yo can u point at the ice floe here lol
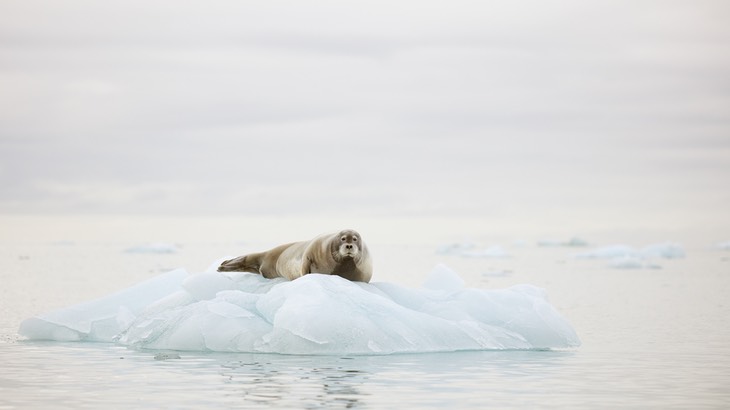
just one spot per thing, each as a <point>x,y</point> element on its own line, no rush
<point>632,262</point>
<point>627,257</point>
<point>315,314</point>
<point>572,242</point>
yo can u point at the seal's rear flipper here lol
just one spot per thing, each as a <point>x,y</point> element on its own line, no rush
<point>247,263</point>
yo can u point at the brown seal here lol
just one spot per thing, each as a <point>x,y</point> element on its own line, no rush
<point>343,254</point>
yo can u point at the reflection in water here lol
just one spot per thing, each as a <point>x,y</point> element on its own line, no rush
<point>82,375</point>
<point>347,382</point>
<point>304,381</point>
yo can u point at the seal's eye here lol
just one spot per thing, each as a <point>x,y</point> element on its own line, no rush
<point>354,238</point>
<point>343,239</point>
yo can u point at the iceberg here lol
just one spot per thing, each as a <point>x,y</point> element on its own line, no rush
<point>315,314</point>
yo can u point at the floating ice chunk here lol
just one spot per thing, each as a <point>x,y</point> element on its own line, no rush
<point>491,252</point>
<point>631,262</point>
<point>572,242</point>
<point>626,257</point>
<point>157,247</point>
<point>608,252</point>
<point>626,262</point>
<point>659,250</point>
<point>663,250</point>
<point>576,242</point>
<point>315,314</point>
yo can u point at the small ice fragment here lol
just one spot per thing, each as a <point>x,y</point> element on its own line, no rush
<point>659,250</point>
<point>609,252</point>
<point>663,250</point>
<point>572,242</point>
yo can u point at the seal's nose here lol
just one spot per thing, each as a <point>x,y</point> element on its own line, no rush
<point>348,246</point>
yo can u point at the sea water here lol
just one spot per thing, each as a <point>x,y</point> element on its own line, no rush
<point>654,334</point>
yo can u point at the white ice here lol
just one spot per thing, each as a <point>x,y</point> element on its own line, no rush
<point>315,314</point>
<point>572,242</point>
<point>627,257</point>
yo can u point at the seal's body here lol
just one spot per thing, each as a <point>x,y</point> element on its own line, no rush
<point>343,254</point>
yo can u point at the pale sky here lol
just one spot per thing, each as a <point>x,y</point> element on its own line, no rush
<point>517,109</point>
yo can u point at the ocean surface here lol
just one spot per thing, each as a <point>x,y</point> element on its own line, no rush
<point>654,325</point>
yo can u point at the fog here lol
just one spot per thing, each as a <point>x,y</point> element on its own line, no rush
<point>575,112</point>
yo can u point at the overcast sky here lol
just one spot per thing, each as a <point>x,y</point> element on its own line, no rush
<point>517,109</point>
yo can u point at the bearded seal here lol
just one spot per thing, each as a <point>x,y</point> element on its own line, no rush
<point>343,253</point>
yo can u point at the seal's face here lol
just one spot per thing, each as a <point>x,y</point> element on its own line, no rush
<point>347,244</point>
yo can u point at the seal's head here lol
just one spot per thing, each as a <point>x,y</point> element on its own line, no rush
<point>346,244</point>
